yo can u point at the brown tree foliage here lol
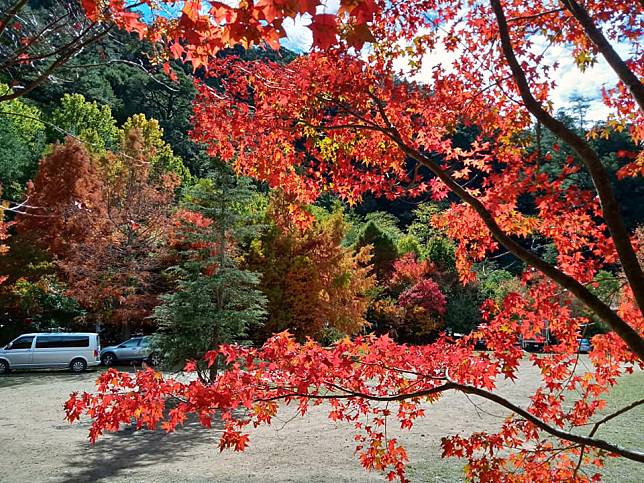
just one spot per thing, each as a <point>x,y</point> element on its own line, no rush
<point>105,220</point>
<point>65,203</point>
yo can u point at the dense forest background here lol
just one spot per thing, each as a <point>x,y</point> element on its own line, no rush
<point>124,224</point>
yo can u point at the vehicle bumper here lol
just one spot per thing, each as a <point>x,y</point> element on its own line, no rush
<point>93,363</point>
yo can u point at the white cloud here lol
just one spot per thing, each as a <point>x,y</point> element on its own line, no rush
<point>298,36</point>
<point>568,78</point>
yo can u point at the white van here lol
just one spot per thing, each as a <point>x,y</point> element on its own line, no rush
<point>65,350</point>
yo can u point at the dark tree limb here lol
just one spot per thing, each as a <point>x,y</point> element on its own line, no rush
<point>625,74</point>
<point>610,207</point>
<point>588,441</point>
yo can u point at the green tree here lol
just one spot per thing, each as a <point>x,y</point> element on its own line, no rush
<point>91,123</point>
<point>463,313</point>
<point>206,311</point>
<point>22,140</point>
<point>384,249</point>
<point>215,302</point>
<point>421,227</point>
<point>495,283</point>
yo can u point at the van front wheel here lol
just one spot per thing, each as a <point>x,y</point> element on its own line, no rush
<point>4,367</point>
<point>77,366</point>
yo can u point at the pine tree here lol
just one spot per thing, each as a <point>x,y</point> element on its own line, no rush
<point>215,301</point>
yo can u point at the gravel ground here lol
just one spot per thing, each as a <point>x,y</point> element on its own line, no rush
<point>38,445</point>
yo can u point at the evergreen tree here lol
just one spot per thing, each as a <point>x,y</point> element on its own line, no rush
<point>384,249</point>
<point>215,301</point>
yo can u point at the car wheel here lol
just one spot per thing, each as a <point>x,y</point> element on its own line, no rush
<point>77,366</point>
<point>154,360</point>
<point>108,359</point>
<point>4,367</point>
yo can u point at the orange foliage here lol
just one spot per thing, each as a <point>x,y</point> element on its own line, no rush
<point>344,121</point>
<point>312,283</point>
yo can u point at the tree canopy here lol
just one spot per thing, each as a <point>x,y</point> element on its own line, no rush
<point>349,120</point>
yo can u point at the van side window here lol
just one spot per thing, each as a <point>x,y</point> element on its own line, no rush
<point>22,342</point>
<point>61,341</point>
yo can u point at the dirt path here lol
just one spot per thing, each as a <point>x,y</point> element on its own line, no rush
<point>37,445</point>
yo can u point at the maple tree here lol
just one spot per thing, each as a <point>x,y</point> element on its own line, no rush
<point>336,120</point>
<point>196,30</point>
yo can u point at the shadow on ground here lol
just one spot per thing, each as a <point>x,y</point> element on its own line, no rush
<point>114,455</point>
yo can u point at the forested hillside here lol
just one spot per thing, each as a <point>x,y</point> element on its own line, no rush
<point>403,209</point>
<point>98,170</point>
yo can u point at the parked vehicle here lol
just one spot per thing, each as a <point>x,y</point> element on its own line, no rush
<point>533,345</point>
<point>136,349</point>
<point>74,351</point>
<point>584,346</point>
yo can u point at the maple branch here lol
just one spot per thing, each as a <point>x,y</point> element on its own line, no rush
<point>625,74</point>
<point>614,415</point>
<point>15,58</point>
<point>536,15</point>
<point>629,335</point>
<point>339,126</point>
<point>610,207</point>
<point>602,421</point>
<point>632,338</point>
<point>11,13</point>
<point>466,389</point>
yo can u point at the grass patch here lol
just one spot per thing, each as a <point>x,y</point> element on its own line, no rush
<point>626,430</point>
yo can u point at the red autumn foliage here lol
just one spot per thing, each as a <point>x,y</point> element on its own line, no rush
<point>426,294</point>
<point>105,222</point>
<point>199,30</point>
<point>4,234</point>
<point>66,203</point>
<point>409,271</point>
<point>344,121</point>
